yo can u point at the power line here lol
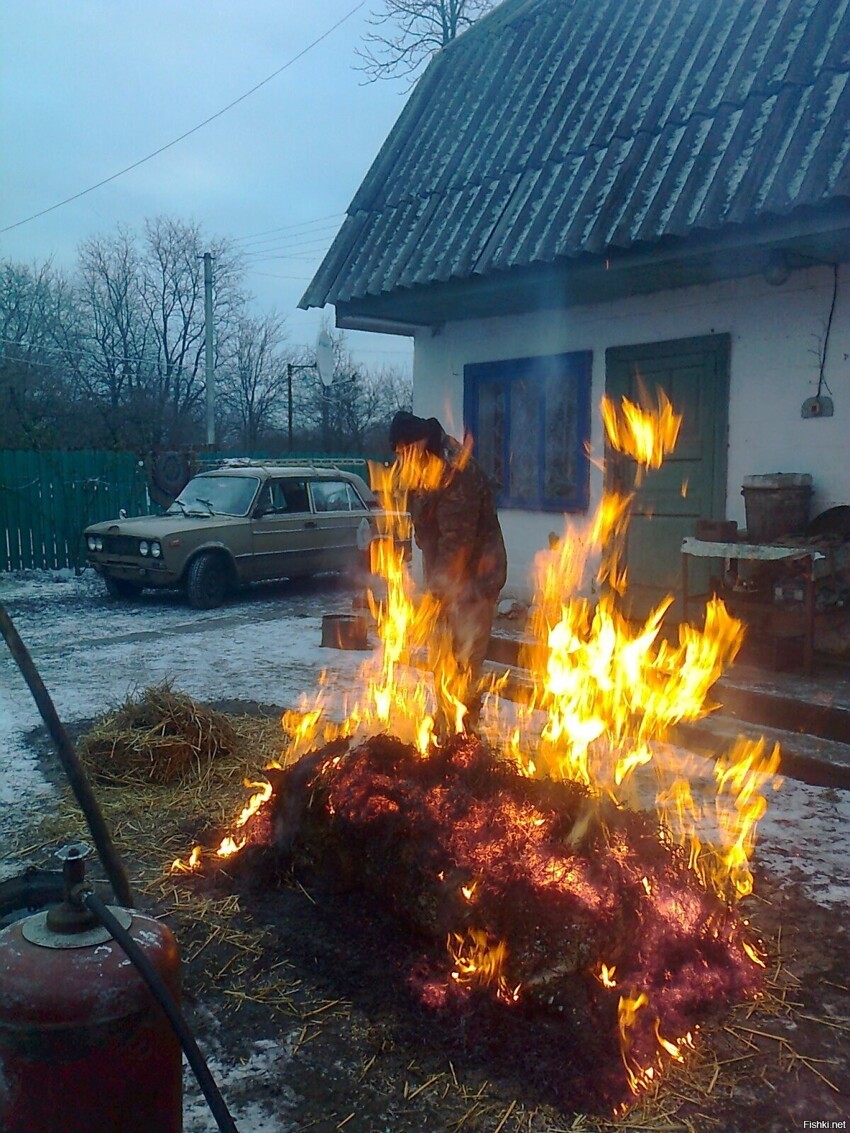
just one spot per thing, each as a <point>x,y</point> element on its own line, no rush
<point>188,133</point>
<point>146,360</point>
<point>312,240</point>
<point>251,236</point>
<point>296,252</point>
<point>270,275</point>
<point>278,244</point>
<point>272,245</point>
<point>306,255</point>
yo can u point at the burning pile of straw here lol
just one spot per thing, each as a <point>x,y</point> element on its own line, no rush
<point>539,890</point>
<point>533,873</point>
<point>527,894</point>
<point>160,736</point>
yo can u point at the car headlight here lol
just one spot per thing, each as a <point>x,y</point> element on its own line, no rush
<point>156,550</point>
<point>144,547</point>
<point>94,543</point>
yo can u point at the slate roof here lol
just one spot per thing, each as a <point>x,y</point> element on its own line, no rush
<point>554,129</point>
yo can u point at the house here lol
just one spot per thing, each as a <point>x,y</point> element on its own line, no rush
<point>580,194</point>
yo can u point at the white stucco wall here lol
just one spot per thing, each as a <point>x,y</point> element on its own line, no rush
<point>776,334</point>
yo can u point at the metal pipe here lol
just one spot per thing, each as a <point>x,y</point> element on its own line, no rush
<point>80,785</point>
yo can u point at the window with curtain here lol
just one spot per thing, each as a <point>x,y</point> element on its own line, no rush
<point>530,418</point>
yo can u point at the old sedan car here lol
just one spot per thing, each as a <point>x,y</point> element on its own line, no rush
<point>241,523</point>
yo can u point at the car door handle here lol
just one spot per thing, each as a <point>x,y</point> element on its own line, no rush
<point>311,523</point>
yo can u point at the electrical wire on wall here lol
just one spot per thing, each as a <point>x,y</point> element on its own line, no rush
<point>820,405</point>
<point>822,384</point>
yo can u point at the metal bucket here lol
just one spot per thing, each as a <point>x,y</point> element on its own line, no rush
<point>345,631</point>
<point>776,504</point>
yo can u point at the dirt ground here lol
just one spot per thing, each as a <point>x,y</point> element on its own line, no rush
<point>368,1049</point>
<point>299,996</point>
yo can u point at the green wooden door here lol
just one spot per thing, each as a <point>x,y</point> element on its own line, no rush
<point>691,484</point>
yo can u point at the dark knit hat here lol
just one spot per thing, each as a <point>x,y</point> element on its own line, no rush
<point>406,429</point>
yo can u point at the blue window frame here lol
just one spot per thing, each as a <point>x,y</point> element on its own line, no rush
<point>530,418</point>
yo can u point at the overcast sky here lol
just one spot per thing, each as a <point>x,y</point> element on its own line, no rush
<point>89,87</point>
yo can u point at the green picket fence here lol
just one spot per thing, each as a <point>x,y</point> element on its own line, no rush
<point>48,498</point>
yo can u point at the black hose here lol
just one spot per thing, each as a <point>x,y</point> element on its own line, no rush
<point>166,1000</point>
<point>107,853</point>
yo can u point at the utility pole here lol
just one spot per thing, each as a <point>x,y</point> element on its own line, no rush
<point>289,403</point>
<point>326,423</point>
<point>208,348</point>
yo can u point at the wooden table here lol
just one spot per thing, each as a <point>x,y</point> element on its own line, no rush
<point>758,552</point>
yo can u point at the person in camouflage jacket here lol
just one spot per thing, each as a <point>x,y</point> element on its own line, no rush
<point>456,527</point>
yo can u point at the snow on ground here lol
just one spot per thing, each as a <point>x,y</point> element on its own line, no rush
<point>265,646</point>
<point>803,837</point>
<point>92,653</point>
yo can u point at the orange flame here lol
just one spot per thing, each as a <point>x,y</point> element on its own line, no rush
<point>606,975</point>
<point>641,1077</point>
<point>478,959</point>
<point>601,696</point>
<point>645,432</point>
<point>603,692</point>
<point>627,1010</point>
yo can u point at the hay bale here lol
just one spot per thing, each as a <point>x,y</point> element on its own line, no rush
<point>160,736</point>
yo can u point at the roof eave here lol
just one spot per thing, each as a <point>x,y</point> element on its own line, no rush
<point>806,238</point>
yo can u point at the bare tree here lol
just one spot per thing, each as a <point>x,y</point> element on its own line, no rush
<point>141,310</point>
<point>111,373</point>
<point>253,380</point>
<point>34,397</point>
<point>172,289</point>
<point>410,31</point>
<point>114,357</point>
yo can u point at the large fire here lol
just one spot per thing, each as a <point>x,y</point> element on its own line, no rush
<point>594,714</point>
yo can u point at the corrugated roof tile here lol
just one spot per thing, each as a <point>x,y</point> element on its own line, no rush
<point>560,128</point>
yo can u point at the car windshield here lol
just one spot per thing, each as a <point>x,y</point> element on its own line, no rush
<point>216,495</point>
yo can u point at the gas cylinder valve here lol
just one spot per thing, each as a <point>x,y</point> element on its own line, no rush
<point>71,915</point>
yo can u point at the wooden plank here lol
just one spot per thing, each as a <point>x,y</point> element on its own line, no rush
<point>6,480</point>
<point>42,516</point>
<point>68,486</point>
<point>14,489</point>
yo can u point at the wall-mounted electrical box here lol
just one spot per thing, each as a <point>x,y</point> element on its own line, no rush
<point>817,407</point>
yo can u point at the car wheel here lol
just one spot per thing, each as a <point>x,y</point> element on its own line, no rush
<point>206,582</point>
<point>121,588</point>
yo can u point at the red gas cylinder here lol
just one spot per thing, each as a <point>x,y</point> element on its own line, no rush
<point>84,1045</point>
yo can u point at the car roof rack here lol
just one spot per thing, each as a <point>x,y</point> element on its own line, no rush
<point>319,464</point>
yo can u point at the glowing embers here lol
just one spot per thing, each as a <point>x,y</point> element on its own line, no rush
<point>545,897</point>
<point>235,841</point>
<point>480,960</point>
<point>602,692</point>
<point>533,895</point>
